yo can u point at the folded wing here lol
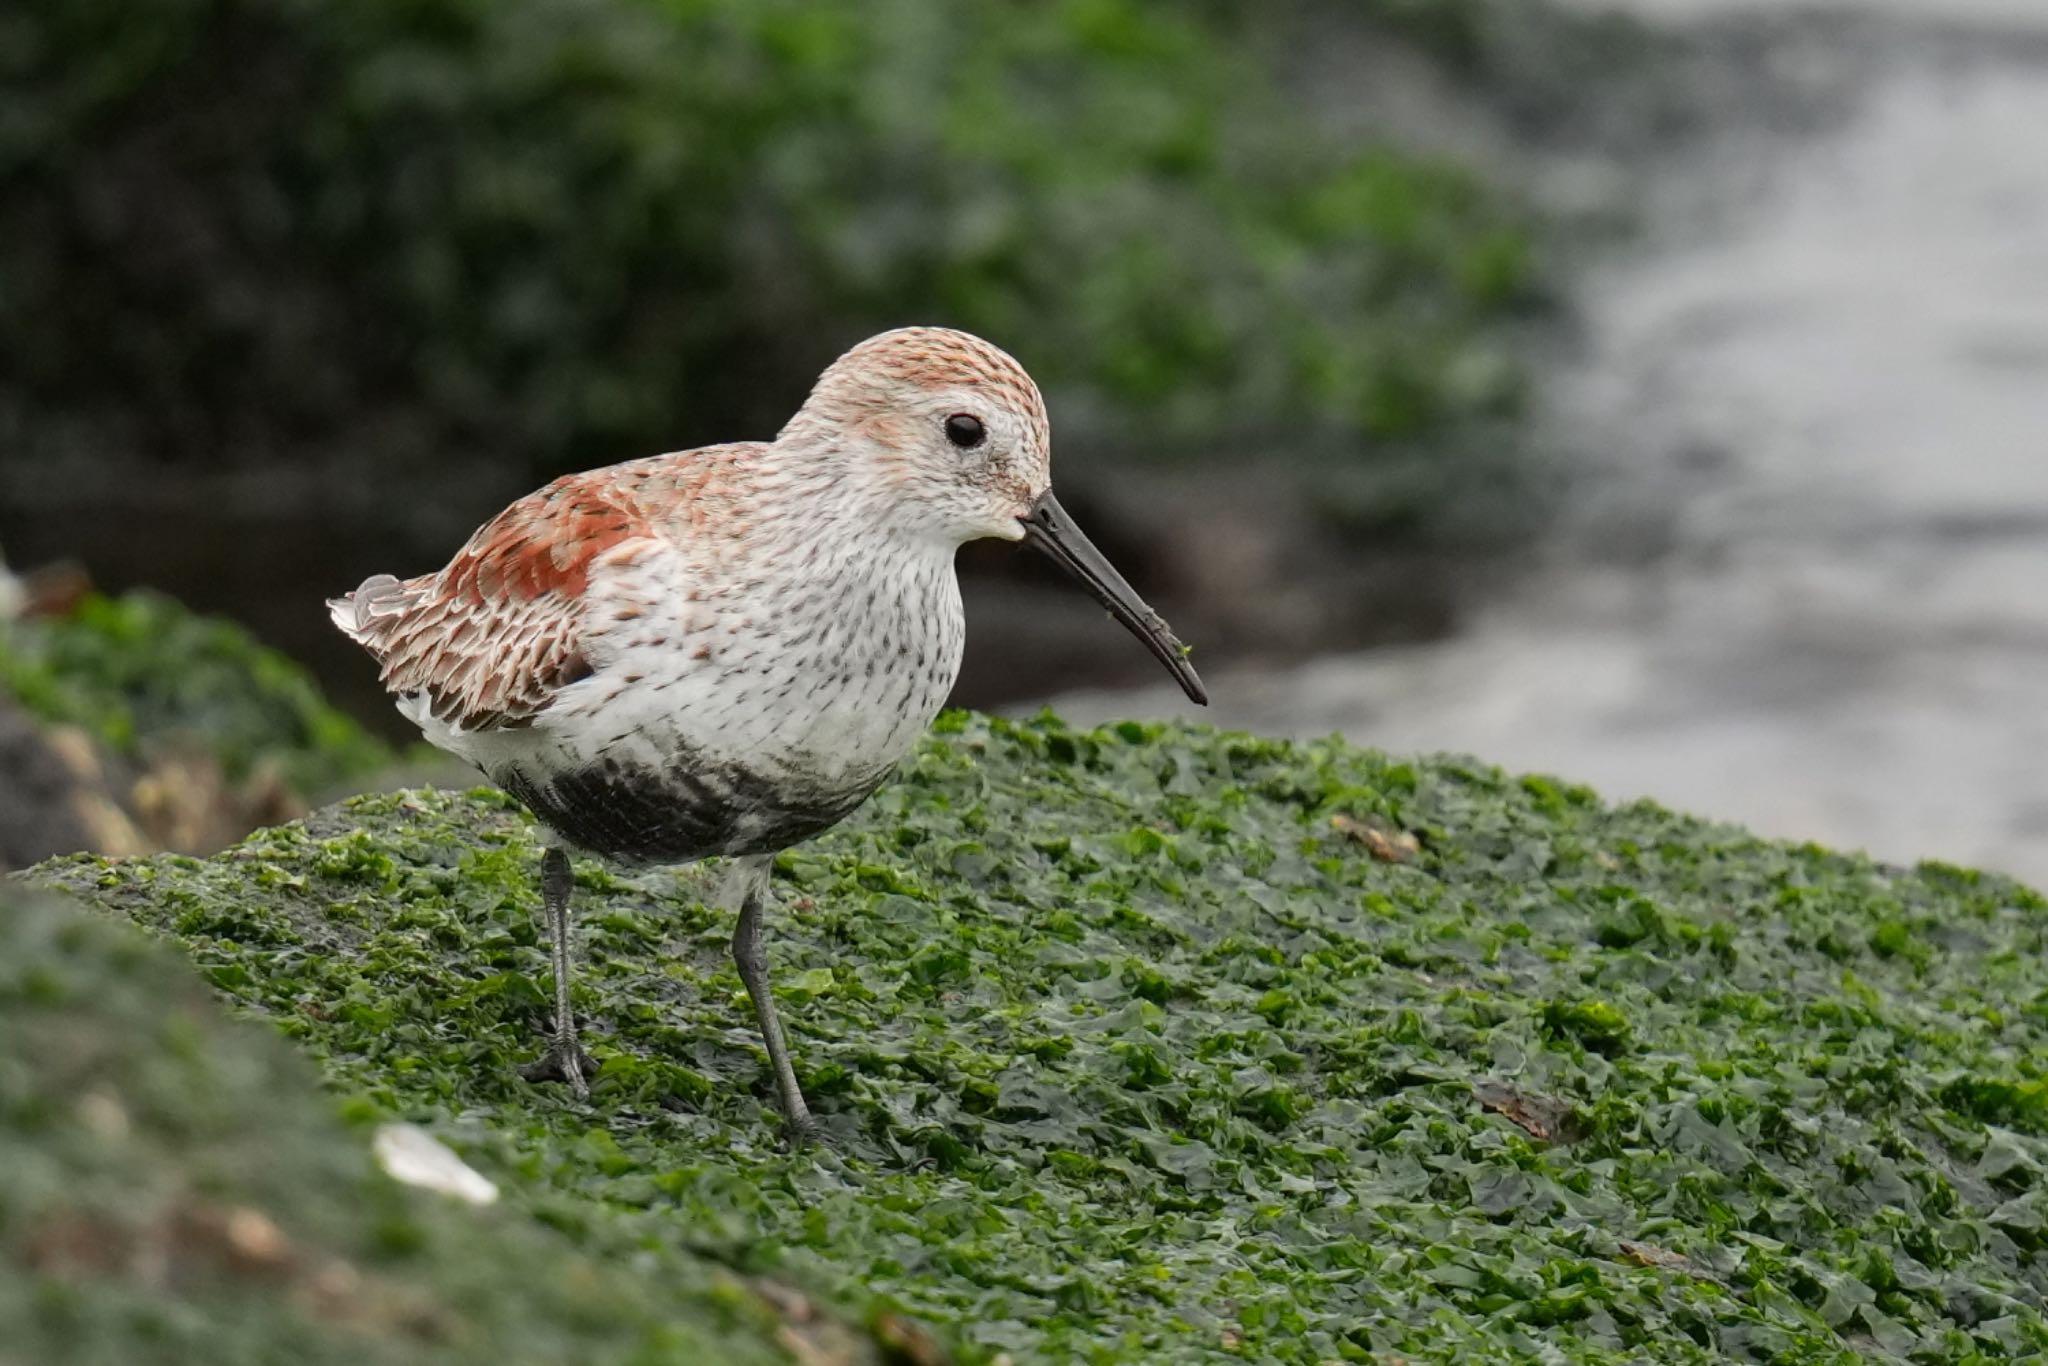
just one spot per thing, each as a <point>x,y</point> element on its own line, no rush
<point>488,642</point>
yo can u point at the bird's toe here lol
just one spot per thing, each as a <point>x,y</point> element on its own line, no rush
<point>569,1065</point>
<point>804,1131</point>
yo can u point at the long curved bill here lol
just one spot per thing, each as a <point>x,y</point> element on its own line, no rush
<point>1048,527</point>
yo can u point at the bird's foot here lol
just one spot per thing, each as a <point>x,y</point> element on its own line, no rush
<point>565,1061</point>
<point>803,1131</point>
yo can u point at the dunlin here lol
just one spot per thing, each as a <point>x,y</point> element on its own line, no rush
<point>725,651</point>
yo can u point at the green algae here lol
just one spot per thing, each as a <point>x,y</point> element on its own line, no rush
<point>174,1187</point>
<point>1131,1052</point>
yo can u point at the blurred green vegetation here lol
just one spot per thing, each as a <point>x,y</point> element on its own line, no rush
<point>560,232</point>
<point>141,671</point>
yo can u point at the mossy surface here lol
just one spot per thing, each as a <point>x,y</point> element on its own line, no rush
<point>176,1187</point>
<point>1158,1045</point>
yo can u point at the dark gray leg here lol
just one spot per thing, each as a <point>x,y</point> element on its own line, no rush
<point>565,1059</point>
<point>748,888</point>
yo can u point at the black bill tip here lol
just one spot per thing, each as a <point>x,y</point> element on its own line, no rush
<point>1048,527</point>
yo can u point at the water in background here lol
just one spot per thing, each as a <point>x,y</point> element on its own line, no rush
<point>1808,585</point>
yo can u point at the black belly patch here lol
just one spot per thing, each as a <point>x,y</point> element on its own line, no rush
<point>638,814</point>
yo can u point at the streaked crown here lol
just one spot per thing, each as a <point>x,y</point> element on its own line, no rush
<point>952,427</point>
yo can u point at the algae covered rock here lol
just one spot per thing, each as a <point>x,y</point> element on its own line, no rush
<point>133,723</point>
<point>141,670</point>
<point>174,1187</point>
<point>1152,1045</point>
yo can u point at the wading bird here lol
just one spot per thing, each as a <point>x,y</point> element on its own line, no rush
<point>724,651</point>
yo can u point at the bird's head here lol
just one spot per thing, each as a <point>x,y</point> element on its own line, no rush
<point>951,436</point>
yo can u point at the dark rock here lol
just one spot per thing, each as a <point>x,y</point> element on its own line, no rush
<point>54,795</point>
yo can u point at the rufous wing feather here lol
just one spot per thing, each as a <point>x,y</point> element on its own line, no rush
<point>491,639</point>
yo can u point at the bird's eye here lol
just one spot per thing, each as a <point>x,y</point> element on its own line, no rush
<point>965,430</point>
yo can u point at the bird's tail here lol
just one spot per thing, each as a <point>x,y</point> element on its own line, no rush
<point>380,598</point>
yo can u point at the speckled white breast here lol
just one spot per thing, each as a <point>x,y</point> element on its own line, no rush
<point>783,701</point>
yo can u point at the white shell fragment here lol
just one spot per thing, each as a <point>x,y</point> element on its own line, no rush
<point>410,1154</point>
